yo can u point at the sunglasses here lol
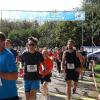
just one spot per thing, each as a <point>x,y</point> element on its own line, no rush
<point>31,44</point>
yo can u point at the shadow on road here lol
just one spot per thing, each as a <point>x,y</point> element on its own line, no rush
<point>55,98</point>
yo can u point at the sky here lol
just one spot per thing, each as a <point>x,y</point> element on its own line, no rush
<point>37,5</point>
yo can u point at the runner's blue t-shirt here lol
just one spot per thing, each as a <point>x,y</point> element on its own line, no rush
<point>7,64</point>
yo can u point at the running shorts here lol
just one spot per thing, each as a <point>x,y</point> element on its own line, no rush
<point>31,85</point>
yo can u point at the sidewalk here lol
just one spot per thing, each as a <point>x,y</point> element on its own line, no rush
<point>57,88</point>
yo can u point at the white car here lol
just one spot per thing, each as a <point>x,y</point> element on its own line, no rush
<point>94,55</point>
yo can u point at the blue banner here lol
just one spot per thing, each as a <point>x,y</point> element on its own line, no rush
<point>45,15</point>
<point>55,16</point>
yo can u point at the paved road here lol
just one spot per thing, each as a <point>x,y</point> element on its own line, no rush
<point>57,88</point>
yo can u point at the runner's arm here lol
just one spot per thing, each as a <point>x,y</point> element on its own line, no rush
<point>81,62</point>
<point>80,57</point>
<point>44,66</point>
<point>9,76</point>
<point>63,61</point>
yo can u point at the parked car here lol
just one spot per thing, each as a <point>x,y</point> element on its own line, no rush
<point>94,56</point>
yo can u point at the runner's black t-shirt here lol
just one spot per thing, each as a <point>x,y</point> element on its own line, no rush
<point>31,64</point>
<point>72,58</point>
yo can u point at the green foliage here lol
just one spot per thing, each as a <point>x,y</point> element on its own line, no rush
<point>50,34</point>
<point>92,23</point>
<point>97,71</point>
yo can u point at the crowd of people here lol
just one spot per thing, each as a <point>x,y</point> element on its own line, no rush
<point>37,67</point>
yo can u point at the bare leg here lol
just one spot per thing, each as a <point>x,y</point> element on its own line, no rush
<point>82,72</point>
<point>75,86</point>
<point>27,95</point>
<point>69,89</point>
<point>45,88</point>
<point>33,95</point>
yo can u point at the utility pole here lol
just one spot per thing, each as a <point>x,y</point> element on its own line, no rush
<point>82,35</point>
<point>92,27</point>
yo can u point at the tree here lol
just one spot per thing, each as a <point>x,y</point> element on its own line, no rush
<point>91,25</point>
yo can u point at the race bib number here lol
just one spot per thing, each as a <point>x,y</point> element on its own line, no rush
<point>31,68</point>
<point>70,66</point>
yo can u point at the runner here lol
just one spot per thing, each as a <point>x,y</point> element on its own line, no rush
<point>31,60</point>
<point>8,45</point>
<point>71,60</point>
<point>45,77</point>
<point>8,73</point>
<point>58,60</point>
<point>84,64</point>
<point>50,53</point>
